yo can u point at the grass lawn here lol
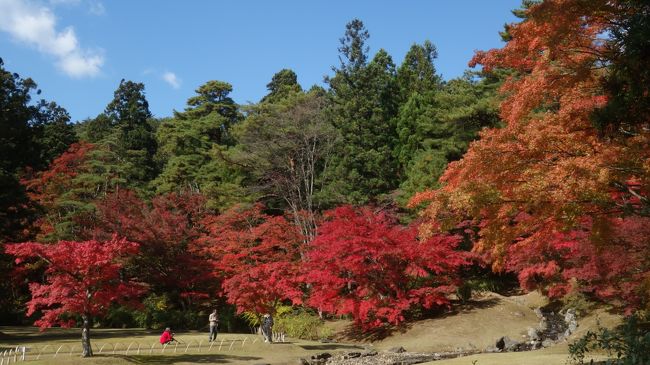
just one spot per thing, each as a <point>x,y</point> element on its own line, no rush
<point>120,346</point>
<point>469,327</point>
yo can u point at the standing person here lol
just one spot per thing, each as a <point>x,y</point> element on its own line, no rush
<point>267,328</point>
<point>214,324</point>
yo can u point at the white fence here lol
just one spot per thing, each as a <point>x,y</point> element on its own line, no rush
<point>27,353</point>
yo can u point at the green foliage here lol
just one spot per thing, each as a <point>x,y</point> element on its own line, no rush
<point>133,134</point>
<point>283,84</point>
<point>364,104</point>
<point>300,323</point>
<point>194,145</point>
<point>158,313</point>
<point>436,128</point>
<point>629,344</point>
<point>285,145</point>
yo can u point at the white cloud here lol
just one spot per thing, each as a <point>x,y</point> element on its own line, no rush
<point>35,26</point>
<point>96,7</point>
<point>172,79</point>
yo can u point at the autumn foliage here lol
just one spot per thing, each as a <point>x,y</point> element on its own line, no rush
<point>554,197</point>
<point>81,278</point>
<point>258,257</point>
<point>366,265</point>
<point>166,228</point>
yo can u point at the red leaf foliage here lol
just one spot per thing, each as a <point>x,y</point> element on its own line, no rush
<point>165,229</point>
<point>366,265</point>
<point>609,259</point>
<point>257,255</point>
<point>82,278</point>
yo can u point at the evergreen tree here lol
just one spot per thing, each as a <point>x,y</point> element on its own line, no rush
<point>134,135</point>
<point>193,146</point>
<point>364,104</point>
<point>283,83</point>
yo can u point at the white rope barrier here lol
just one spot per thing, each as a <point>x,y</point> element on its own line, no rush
<point>18,354</point>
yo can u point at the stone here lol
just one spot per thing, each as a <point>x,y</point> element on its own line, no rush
<point>547,343</point>
<point>324,355</point>
<point>369,352</point>
<point>303,361</point>
<point>501,344</point>
<point>538,313</point>
<point>573,326</point>
<point>533,334</point>
<point>492,349</point>
<point>397,350</point>
<point>351,355</point>
<point>507,344</point>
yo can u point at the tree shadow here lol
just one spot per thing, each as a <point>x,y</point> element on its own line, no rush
<point>185,358</point>
<point>330,346</point>
<point>32,334</point>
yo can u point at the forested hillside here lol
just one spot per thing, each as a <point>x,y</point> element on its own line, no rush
<point>383,196</point>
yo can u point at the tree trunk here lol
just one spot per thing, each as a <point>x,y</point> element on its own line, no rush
<point>85,337</point>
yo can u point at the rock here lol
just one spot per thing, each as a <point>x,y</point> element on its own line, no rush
<point>492,349</point>
<point>351,355</point>
<point>533,334</point>
<point>369,352</point>
<point>547,343</point>
<point>507,344</point>
<point>538,313</point>
<point>501,344</point>
<point>303,361</point>
<point>397,350</point>
<point>324,355</point>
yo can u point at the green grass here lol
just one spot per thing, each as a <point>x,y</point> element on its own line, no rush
<point>120,346</point>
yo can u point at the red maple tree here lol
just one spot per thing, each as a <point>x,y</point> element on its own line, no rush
<point>257,255</point>
<point>366,265</point>
<point>166,228</point>
<point>81,279</point>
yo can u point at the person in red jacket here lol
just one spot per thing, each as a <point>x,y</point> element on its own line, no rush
<point>167,336</point>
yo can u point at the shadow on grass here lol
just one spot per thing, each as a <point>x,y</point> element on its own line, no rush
<point>26,335</point>
<point>186,358</point>
<point>331,346</point>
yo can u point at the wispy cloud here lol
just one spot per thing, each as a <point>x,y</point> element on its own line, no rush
<point>172,79</point>
<point>96,7</point>
<point>36,26</point>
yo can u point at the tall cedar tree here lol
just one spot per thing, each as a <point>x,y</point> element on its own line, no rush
<point>133,135</point>
<point>257,256</point>
<point>364,264</point>
<point>549,175</point>
<point>82,279</point>
<point>364,103</point>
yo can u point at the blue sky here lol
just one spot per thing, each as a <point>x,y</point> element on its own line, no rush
<point>78,50</point>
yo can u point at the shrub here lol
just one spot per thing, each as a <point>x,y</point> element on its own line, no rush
<point>628,344</point>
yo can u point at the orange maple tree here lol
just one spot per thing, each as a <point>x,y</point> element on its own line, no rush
<point>549,174</point>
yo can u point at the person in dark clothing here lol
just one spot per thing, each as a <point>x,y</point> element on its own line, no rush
<point>267,328</point>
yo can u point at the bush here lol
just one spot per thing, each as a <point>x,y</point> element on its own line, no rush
<point>628,344</point>
<point>301,323</point>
